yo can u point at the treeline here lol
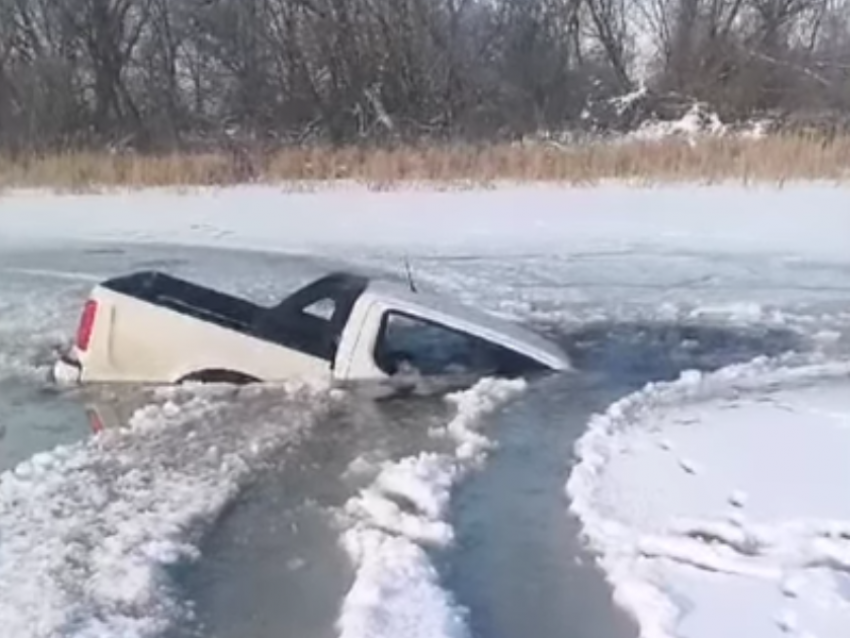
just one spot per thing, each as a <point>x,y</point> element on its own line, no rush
<point>156,74</point>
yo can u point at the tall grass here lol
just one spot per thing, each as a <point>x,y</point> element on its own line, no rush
<point>772,159</point>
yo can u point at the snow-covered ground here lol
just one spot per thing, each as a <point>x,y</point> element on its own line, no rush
<point>802,219</point>
<point>715,501</point>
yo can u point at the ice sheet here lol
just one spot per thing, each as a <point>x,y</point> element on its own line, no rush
<point>718,502</point>
<point>803,218</point>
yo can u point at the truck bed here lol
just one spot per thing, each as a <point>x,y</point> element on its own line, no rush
<point>190,299</point>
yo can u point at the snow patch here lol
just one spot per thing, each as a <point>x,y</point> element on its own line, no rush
<point>696,122</point>
<point>397,591</point>
<point>403,513</point>
<point>696,556</point>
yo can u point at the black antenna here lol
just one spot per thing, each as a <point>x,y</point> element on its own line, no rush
<point>410,281</point>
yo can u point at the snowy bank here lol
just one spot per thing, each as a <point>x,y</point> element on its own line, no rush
<point>717,502</point>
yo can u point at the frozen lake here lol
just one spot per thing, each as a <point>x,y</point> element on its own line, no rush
<point>267,535</point>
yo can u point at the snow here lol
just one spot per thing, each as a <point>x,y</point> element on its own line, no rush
<point>715,501</point>
<point>806,219</point>
<point>698,121</point>
<point>400,516</point>
<point>88,531</point>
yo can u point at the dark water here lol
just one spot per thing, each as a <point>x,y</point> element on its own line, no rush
<point>34,418</point>
<point>272,566</point>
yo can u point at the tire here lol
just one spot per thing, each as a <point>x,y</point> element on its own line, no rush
<point>219,376</point>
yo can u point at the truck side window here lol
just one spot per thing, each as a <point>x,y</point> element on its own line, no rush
<point>321,309</point>
<point>434,349</point>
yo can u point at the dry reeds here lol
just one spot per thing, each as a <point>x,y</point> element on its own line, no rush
<point>771,159</point>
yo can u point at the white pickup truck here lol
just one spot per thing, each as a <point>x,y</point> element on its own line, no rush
<point>150,327</point>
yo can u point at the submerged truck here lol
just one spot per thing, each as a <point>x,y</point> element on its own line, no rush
<point>344,327</point>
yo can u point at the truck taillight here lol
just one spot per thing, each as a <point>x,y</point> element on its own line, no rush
<point>84,330</point>
<point>95,421</point>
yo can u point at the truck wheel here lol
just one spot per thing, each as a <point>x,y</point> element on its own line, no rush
<point>218,376</point>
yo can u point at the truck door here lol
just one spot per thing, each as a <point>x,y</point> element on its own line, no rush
<point>426,346</point>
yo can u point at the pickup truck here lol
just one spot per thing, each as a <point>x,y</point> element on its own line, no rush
<point>151,327</point>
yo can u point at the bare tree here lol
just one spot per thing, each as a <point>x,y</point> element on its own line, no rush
<point>167,73</point>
